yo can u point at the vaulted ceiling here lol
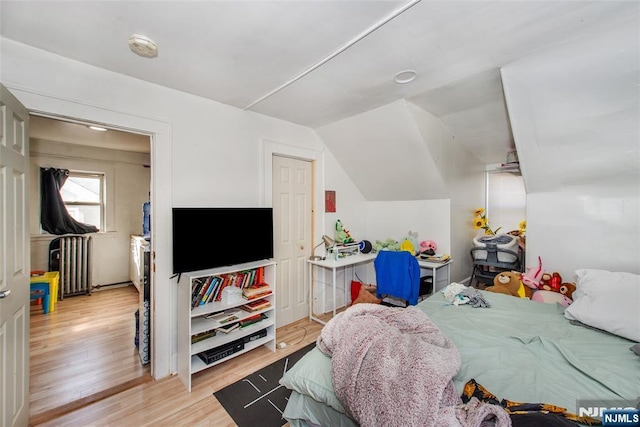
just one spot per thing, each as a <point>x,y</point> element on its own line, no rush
<point>318,62</point>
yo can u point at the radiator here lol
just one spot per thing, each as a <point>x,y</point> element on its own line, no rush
<point>71,256</point>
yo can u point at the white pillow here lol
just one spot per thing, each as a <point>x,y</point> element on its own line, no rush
<point>608,301</point>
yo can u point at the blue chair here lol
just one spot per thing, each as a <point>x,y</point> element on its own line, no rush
<point>40,290</point>
<point>398,276</point>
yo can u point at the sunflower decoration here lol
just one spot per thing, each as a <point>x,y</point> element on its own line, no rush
<point>480,221</point>
<point>522,227</point>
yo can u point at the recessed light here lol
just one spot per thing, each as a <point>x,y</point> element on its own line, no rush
<point>143,46</point>
<point>98,128</point>
<point>406,76</point>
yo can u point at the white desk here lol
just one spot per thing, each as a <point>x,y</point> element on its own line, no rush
<point>353,260</point>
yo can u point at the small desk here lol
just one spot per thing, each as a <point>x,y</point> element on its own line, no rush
<point>51,278</point>
<point>357,259</point>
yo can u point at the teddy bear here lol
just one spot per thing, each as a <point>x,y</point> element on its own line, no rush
<point>567,289</point>
<point>550,282</point>
<point>509,283</point>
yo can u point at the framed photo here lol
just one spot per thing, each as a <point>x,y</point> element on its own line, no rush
<point>329,201</point>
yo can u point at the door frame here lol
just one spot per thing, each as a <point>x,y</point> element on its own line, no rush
<point>163,362</point>
<point>316,157</point>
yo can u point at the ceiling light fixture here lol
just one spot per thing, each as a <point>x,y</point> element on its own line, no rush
<point>143,46</point>
<point>406,76</point>
<point>98,128</point>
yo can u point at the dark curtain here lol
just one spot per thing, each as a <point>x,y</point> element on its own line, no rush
<point>54,216</point>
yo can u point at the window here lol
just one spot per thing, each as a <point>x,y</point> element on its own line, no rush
<point>83,195</point>
<point>506,200</point>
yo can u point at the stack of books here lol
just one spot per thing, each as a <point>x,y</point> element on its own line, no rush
<point>259,290</point>
<point>252,319</point>
<point>255,305</point>
<point>441,258</point>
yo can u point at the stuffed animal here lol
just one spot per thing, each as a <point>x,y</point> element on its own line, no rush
<point>567,289</point>
<point>428,247</point>
<point>550,282</point>
<point>342,234</point>
<point>410,243</point>
<point>551,297</point>
<point>386,245</point>
<point>532,277</point>
<point>509,283</point>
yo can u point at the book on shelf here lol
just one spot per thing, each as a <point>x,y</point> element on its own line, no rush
<point>226,316</point>
<point>203,336</point>
<point>202,291</point>
<point>256,305</point>
<point>207,293</point>
<point>195,290</point>
<point>254,290</point>
<point>228,327</point>
<point>252,319</point>
<point>216,285</point>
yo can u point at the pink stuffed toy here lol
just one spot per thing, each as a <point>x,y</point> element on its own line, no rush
<point>428,247</point>
<point>533,276</point>
<point>551,297</point>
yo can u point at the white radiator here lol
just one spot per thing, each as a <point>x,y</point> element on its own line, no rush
<point>74,262</point>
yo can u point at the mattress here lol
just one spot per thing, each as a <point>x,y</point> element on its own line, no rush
<point>518,349</point>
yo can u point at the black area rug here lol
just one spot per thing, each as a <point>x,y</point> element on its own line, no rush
<point>258,399</point>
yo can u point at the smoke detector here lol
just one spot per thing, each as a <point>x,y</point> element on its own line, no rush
<point>143,46</point>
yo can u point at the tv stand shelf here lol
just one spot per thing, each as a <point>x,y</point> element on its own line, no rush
<point>193,321</point>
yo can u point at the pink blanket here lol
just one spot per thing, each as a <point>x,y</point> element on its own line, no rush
<point>393,367</point>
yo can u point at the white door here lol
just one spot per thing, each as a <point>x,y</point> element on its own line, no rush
<point>14,262</point>
<point>292,203</point>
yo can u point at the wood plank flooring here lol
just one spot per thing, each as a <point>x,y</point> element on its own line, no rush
<point>165,402</point>
<point>82,349</point>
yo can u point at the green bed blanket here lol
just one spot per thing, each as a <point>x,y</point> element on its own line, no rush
<point>518,349</point>
<point>527,351</point>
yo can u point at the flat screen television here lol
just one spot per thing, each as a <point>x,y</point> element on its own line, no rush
<point>206,238</point>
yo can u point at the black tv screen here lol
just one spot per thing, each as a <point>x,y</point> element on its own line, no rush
<point>206,238</point>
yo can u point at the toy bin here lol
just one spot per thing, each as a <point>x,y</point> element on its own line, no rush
<point>502,241</point>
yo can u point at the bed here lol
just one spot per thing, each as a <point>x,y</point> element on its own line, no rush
<point>517,349</point>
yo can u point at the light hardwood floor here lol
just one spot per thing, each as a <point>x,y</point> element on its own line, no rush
<point>82,349</point>
<point>109,354</point>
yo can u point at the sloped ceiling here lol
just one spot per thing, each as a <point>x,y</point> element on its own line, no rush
<point>391,159</point>
<point>576,113</point>
<point>318,62</point>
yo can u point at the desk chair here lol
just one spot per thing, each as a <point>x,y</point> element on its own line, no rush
<point>398,276</point>
<point>496,261</point>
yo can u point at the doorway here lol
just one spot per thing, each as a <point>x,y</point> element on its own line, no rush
<point>292,207</point>
<point>310,215</point>
<point>124,159</point>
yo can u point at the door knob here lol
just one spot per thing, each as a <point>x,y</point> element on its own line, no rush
<point>5,293</point>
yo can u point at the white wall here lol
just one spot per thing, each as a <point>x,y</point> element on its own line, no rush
<point>127,183</point>
<point>203,153</point>
<point>463,175</point>
<point>402,150</point>
<point>574,112</point>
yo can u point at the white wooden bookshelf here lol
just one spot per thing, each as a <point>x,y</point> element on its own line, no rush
<point>192,321</point>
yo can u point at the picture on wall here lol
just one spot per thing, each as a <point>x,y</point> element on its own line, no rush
<point>329,201</point>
